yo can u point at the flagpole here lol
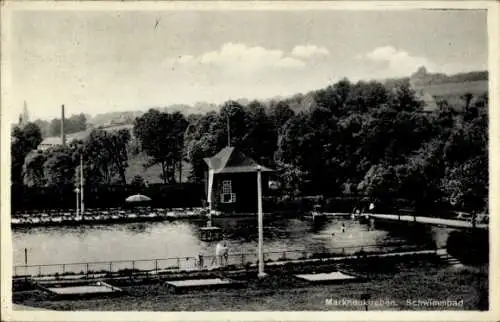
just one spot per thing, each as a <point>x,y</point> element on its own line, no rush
<point>260,222</point>
<point>77,191</point>
<point>81,185</point>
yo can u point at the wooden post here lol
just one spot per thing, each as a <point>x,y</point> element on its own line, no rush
<point>82,205</point>
<point>260,222</point>
<point>25,257</point>
<point>156,266</point>
<point>77,190</point>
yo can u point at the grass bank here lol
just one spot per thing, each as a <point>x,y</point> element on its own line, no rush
<point>389,288</point>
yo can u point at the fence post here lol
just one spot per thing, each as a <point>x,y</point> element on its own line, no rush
<point>39,270</point>
<point>243,259</point>
<point>64,268</point>
<point>156,266</point>
<point>178,263</point>
<point>87,269</point>
<point>110,267</point>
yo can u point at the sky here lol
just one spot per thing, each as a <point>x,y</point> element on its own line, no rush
<point>103,61</point>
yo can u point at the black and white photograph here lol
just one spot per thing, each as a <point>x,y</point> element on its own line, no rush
<point>247,157</point>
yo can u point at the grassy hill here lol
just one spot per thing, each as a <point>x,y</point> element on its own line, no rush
<point>450,88</point>
<point>452,92</point>
<point>151,174</point>
<point>453,89</point>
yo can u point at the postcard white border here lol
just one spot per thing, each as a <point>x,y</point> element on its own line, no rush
<point>6,250</point>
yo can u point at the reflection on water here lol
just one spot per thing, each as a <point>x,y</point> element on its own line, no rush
<point>49,245</point>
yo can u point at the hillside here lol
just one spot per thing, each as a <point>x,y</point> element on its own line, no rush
<point>151,174</point>
<point>452,92</point>
<point>423,78</point>
<point>439,86</point>
<point>449,88</point>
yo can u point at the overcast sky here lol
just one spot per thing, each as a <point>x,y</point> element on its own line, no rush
<point>96,62</point>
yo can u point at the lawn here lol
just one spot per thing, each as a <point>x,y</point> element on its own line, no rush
<point>388,291</point>
<point>450,89</point>
<point>151,174</point>
<point>452,92</point>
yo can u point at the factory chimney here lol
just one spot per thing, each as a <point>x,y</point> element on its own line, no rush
<point>63,135</point>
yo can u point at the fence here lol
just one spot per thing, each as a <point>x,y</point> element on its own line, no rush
<point>191,263</point>
<point>25,198</point>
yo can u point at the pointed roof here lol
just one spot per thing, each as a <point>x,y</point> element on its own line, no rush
<point>230,160</point>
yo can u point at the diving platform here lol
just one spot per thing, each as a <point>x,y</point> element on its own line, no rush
<point>333,277</point>
<point>78,290</point>
<point>210,233</point>
<point>210,283</point>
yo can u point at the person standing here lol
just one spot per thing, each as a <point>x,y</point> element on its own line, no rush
<point>218,253</point>
<point>225,253</point>
<point>200,260</point>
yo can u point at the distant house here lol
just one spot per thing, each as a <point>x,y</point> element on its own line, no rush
<point>54,141</point>
<point>231,181</point>
<point>49,142</point>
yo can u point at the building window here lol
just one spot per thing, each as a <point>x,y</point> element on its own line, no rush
<point>227,195</point>
<point>226,187</point>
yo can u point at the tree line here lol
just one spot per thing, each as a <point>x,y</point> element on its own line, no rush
<point>361,138</point>
<point>72,124</point>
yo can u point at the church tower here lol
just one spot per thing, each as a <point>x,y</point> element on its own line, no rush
<point>24,118</point>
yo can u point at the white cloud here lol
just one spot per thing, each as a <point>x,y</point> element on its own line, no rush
<point>240,57</point>
<point>309,51</point>
<point>397,62</point>
<point>289,62</point>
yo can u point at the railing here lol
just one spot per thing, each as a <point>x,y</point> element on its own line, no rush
<point>98,211</point>
<point>191,263</point>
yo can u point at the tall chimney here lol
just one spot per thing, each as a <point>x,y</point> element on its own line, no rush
<point>63,135</point>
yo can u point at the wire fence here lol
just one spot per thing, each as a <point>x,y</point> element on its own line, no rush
<point>201,262</point>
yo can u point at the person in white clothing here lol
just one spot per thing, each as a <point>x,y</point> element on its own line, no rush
<point>218,252</point>
<point>221,253</point>
<point>225,253</point>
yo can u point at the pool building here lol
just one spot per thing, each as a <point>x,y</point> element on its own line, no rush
<point>231,181</point>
